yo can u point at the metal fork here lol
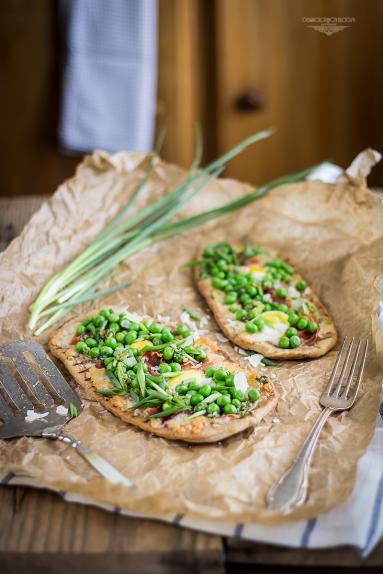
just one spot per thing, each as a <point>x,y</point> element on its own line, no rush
<point>291,489</point>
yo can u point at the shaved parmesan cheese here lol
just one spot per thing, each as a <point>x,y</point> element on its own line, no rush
<point>240,381</point>
<point>240,351</point>
<point>221,337</point>
<point>33,416</point>
<point>255,360</point>
<point>61,410</point>
<point>268,297</point>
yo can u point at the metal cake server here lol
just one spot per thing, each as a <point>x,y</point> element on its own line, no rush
<point>35,400</point>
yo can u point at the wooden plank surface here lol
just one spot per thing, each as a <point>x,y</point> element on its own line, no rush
<point>39,529</point>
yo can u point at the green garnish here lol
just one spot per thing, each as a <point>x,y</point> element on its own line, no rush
<point>192,314</point>
<point>268,362</point>
<point>73,410</point>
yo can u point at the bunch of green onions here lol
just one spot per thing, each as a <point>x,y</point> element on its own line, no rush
<point>122,237</point>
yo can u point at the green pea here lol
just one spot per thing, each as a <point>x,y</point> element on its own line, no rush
<point>253,395</point>
<point>237,394</point>
<point>155,328</point>
<point>130,337</point>
<point>291,331</point>
<point>114,327</point>
<point>164,368</point>
<point>86,321</point>
<point>312,327</point>
<point>196,399</point>
<point>113,318</point>
<point>111,342</point>
<point>165,406</point>
<point>267,307</point>
<point>104,313</point>
<point>105,350</point>
<point>210,371</point>
<point>230,380</point>
<point>108,360</point>
<point>236,403</point>
<point>193,385</point>
<point>175,367</point>
<point>302,323</point>
<point>218,283</point>
<point>205,390</point>
<point>245,299</point>
<point>229,409</point>
<point>251,328</point>
<point>91,342</point>
<point>134,327</point>
<point>168,353</point>
<point>183,330</point>
<point>94,352</point>
<point>295,341</point>
<point>181,389</point>
<point>234,308</point>
<point>283,308</point>
<point>157,340</point>
<point>81,329</point>
<point>293,318</point>
<point>208,251</point>
<point>223,400</point>
<point>213,409</point>
<point>301,286</point>
<point>284,343</point>
<point>200,356</point>
<point>240,315</point>
<point>166,336</point>
<point>230,298</point>
<point>220,375</point>
<point>251,291</point>
<point>98,320</point>
<point>82,347</point>
<point>260,322</point>
<point>120,337</point>
<point>281,292</point>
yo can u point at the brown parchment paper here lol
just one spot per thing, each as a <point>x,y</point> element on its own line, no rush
<point>332,233</point>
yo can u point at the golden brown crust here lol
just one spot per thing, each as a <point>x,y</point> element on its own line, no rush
<point>235,332</point>
<point>88,376</point>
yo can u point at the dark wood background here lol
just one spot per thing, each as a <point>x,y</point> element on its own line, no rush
<point>323,94</point>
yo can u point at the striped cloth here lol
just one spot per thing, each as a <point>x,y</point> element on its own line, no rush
<point>110,74</point>
<point>358,522</point>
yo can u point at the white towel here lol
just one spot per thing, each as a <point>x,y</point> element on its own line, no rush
<point>110,73</point>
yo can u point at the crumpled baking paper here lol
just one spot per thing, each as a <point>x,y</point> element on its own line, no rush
<point>333,233</point>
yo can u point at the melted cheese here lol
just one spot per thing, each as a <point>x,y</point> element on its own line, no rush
<point>140,344</point>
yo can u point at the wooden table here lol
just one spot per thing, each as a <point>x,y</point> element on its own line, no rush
<point>39,533</point>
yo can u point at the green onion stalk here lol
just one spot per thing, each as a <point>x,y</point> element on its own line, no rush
<point>121,238</point>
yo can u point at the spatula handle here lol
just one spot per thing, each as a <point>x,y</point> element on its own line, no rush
<point>99,463</point>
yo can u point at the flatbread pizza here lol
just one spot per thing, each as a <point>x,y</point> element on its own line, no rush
<point>262,303</point>
<point>170,382</point>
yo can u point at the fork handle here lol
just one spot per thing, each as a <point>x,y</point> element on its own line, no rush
<point>291,489</point>
<point>99,463</point>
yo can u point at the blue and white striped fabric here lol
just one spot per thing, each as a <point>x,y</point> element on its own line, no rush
<point>110,74</point>
<point>358,522</point>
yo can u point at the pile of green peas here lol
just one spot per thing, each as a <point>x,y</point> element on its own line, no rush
<point>107,333</point>
<point>244,294</point>
<point>229,400</point>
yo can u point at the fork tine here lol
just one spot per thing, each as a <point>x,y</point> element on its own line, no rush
<point>341,376</point>
<point>330,383</point>
<point>360,374</point>
<point>351,373</point>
